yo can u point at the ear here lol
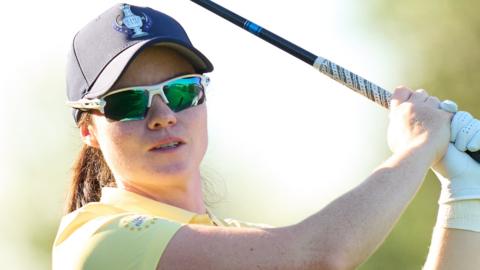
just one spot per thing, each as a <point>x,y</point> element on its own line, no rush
<point>87,131</point>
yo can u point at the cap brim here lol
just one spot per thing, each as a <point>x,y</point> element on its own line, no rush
<point>115,68</point>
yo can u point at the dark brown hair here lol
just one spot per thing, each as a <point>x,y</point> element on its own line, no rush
<point>90,174</point>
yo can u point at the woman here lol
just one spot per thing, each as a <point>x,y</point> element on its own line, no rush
<point>137,89</point>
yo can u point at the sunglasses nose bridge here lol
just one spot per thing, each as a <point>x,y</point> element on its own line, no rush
<point>153,93</point>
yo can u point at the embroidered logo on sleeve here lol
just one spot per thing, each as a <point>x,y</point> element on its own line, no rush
<point>137,222</point>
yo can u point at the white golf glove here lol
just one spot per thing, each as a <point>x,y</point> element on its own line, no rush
<point>465,132</point>
<point>458,173</point>
<point>459,176</point>
<point>459,203</point>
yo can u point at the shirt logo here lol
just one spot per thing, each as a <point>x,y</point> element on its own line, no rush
<point>137,222</point>
<point>133,25</point>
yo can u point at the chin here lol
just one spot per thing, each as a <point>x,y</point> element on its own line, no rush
<point>177,171</point>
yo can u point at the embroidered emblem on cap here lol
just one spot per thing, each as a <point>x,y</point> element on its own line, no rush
<point>133,25</point>
<point>137,222</point>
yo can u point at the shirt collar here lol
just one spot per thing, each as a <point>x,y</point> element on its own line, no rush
<point>133,202</point>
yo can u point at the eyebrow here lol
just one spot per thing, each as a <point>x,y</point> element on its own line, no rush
<point>174,76</point>
<point>178,74</point>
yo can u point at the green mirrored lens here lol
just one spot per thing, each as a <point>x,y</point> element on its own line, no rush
<point>127,105</point>
<point>183,93</point>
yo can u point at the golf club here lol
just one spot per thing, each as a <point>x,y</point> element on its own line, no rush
<point>353,81</point>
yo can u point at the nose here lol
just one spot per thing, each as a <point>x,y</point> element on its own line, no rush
<point>160,115</point>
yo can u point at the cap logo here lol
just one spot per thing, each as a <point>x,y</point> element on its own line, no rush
<point>132,24</point>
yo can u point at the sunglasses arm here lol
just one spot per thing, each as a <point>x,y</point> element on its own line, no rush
<point>88,104</point>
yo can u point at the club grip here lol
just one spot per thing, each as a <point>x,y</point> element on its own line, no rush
<point>353,81</point>
<point>474,155</point>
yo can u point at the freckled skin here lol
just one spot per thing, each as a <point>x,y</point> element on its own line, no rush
<point>126,145</point>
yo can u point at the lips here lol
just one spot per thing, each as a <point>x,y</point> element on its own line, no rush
<point>167,144</point>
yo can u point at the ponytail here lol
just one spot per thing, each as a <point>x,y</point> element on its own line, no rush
<point>90,174</point>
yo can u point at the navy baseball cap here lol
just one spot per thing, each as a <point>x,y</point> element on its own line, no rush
<point>103,48</point>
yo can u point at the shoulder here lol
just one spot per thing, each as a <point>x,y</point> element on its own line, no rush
<point>104,237</point>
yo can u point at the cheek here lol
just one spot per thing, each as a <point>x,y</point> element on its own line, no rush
<point>197,126</point>
<point>118,143</point>
<point>116,138</point>
<point>203,129</point>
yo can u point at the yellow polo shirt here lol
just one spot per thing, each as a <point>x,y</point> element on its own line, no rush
<point>123,231</point>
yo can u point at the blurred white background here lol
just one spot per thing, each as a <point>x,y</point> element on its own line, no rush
<point>284,139</point>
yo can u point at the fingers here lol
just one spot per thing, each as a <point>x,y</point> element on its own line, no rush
<point>464,129</point>
<point>474,144</point>
<point>459,121</point>
<point>433,102</point>
<point>419,96</point>
<point>403,94</point>
<point>465,132</point>
<point>400,95</point>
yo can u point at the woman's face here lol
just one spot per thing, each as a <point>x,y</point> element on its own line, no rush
<point>132,148</point>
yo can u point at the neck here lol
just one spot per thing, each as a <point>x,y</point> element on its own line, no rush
<point>187,196</point>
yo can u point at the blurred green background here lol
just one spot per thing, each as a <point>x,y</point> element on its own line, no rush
<point>423,44</point>
<point>439,41</point>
